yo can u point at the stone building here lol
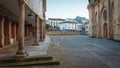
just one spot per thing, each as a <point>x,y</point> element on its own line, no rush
<point>104,19</point>
<point>19,19</point>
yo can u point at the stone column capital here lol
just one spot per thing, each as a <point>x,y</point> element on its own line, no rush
<point>9,20</point>
<point>2,18</point>
<point>21,2</point>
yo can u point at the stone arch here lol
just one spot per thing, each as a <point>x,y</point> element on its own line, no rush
<point>103,14</point>
<point>104,23</point>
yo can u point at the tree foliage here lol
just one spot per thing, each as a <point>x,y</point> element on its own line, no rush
<point>47,26</point>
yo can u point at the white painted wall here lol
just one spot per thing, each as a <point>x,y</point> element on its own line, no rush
<point>70,26</point>
<point>36,6</point>
<point>54,23</point>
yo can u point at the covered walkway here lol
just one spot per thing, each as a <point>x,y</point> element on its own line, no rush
<point>30,49</point>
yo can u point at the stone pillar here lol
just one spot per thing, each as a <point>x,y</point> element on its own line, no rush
<point>27,32</point>
<point>116,20</point>
<point>44,26</point>
<point>36,42</point>
<point>99,22</point>
<point>44,30</point>
<point>41,30</point>
<point>2,32</point>
<point>110,16</point>
<point>91,16</point>
<point>21,53</point>
<point>10,23</point>
<point>15,39</point>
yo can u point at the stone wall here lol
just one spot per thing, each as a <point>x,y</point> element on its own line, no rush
<point>62,33</point>
<point>105,19</point>
<point>116,20</point>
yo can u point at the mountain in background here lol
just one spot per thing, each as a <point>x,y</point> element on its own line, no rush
<point>81,19</point>
<point>78,19</point>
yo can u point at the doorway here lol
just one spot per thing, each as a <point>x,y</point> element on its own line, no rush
<point>105,30</point>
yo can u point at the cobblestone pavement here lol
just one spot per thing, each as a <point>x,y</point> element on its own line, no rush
<point>86,52</point>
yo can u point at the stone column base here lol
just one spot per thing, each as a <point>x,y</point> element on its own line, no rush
<point>21,54</point>
<point>36,43</point>
<point>41,40</point>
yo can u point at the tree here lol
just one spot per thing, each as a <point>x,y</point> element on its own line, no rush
<point>47,26</point>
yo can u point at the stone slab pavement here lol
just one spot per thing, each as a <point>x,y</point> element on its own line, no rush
<point>48,47</point>
<point>86,52</point>
<point>30,49</point>
<point>39,50</point>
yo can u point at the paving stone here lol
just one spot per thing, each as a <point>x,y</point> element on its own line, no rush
<point>85,52</point>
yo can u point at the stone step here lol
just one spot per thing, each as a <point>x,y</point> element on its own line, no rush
<point>26,59</point>
<point>30,63</point>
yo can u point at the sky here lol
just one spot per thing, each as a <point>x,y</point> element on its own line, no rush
<point>67,9</point>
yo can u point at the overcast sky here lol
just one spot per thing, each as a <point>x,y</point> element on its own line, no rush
<point>66,8</point>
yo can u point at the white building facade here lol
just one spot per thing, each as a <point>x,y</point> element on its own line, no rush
<point>54,22</point>
<point>67,24</point>
<point>70,26</point>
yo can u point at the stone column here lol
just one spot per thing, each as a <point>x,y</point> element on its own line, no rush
<point>99,22</point>
<point>27,32</point>
<point>36,42</point>
<point>116,19</point>
<point>41,30</point>
<point>110,19</point>
<point>42,37</point>
<point>44,26</point>
<point>21,53</point>
<point>10,23</point>
<point>2,32</point>
<point>15,40</point>
<point>44,30</point>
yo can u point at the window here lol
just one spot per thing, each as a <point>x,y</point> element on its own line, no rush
<point>105,15</point>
